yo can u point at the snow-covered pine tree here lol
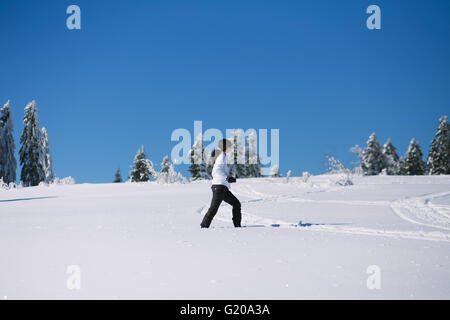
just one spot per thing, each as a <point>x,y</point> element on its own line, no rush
<point>171,174</point>
<point>439,155</point>
<point>118,176</point>
<point>412,164</point>
<point>31,150</point>
<point>210,166</point>
<point>46,157</point>
<point>275,172</point>
<point>372,158</point>
<point>238,168</point>
<point>390,158</point>
<point>168,173</point>
<point>253,163</point>
<point>166,170</point>
<point>142,169</point>
<point>194,168</point>
<point>199,160</point>
<point>8,163</point>
<point>402,167</point>
<point>181,178</point>
<point>165,165</point>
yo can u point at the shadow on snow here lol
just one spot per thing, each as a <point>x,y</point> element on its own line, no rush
<point>25,199</point>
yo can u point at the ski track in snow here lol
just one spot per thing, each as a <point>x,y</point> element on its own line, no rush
<point>417,210</point>
<point>420,210</point>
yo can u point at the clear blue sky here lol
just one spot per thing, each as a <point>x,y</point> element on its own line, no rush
<point>137,70</point>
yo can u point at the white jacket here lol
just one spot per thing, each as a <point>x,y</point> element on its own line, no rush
<point>221,171</point>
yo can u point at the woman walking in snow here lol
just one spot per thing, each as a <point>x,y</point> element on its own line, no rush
<point>221,186</point>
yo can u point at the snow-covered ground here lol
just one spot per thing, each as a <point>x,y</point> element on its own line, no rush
<point>144,241</point>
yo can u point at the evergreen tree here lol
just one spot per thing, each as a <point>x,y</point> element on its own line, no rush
<point>142,169</point>
<point>165,165</point>
<point>253,163</point>
<point>439,155</point>
<point>390,158</point>
<point>199,160</point>
<point>412,164</point>
<point>238,168</point>
<point>31,150</point>
<point>168,173</point>
<point>118,176</point>
<point>8,163</point>
<point>45,157</point>
<point>209,167</point>
<point>372,159</point>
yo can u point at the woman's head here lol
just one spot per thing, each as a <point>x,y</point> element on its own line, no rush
<point>225,145</point>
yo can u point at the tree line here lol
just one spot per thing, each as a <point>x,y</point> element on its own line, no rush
<point>376,159</point>
<point>142,170</point>
<point>35,157</point>
<point>246,163</point>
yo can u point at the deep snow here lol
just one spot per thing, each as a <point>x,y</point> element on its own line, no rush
<point>144,241</point>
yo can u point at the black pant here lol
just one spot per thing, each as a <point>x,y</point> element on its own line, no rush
<point>221,193</point>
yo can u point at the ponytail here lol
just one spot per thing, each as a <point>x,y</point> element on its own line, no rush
<point>214,154</point>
